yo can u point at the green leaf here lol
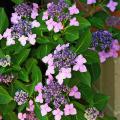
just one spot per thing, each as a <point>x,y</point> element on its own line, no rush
<point>1,53</point>
<point>86,92</point>
<point>43,40</point>
<point>100,101</point>
<point>84,41</point>
<point>84,23</point>
<point>6,108</point>
<point>78,78</point>
<point>91,56</point>
<point>23,75</point>
<point>21,57</point>
<point>10,116</point>
<point>29,64</point>
<point>18,85</point>
<point>38,113</point>
<point>94,70</point>
<point>43,50</point>
<point>71,34</point>
<point>17,1</point>
<point>5,98</point>
<point>3,20</point>
<point>36,78</point>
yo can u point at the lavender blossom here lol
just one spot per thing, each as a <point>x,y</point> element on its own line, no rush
<point>21,97</point>
<point>5,61</point>
<point>91,113</point>
<point>6,78</point>
<point>102,40</point>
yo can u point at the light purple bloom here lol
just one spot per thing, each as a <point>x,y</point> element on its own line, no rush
<point>91,1</point>
<point>74,22</point>
<point>15,18</point>
<point>58,27</point>
<point>39,98</point>
<point>10,41</point>
<point>102,56</point>
<point>31,39</point>
<point>50,24</point>
<point>45,109</point>
<point>75,93</point>
<point>69,110</point>
<point>35,23</point>
<point>73,10</point>
<point>112,5</point>
<point>39,87</point>
<point>45,16</point>
<point>57,113</point>
<point>7,33</point>
<point>21,116</point>
<point>23,40</point>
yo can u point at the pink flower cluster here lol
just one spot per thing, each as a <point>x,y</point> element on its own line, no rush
<point>19,30</point>
<point>69,109</point>
<point>24,116</point>
<point>57,26</point>
<point>77,63</point>
<point>111,5</point>
<point>113,52</point>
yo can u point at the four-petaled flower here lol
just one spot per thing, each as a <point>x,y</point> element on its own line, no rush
<point>45,109</point>
<point>69,110</point>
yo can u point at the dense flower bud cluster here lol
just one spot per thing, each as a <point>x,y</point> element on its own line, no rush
<point>21,97</point>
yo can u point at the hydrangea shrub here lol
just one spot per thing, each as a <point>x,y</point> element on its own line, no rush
<point>50,59</point>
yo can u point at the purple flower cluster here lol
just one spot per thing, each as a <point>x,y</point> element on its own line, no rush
<point>5,61</point>
<point>6,78</point>
<point>102,40</point>
<point>56,96</point>
<point>92,114</point>
<point>64,60</point>
<point>24,9</point>
<point>57,14</point>
<point>23,20</point>
<point>104,43</point>
<point>113,21</point>
<point>21,97</point>
<point>29,114</point>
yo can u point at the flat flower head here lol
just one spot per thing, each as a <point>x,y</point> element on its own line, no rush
<point>69,110</point>
<point>91,1</point>
<point>112,5</point>
<point>73,10</point>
